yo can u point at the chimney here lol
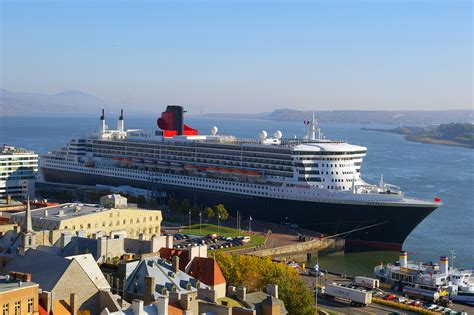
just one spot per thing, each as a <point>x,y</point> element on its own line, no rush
<point>73,303</point>
<point>137,307</point>
<point>230,291</point>
<point>162,305</point>
<point>120,123</point>
<point>149,290</point>
<point>272,289</point>
<point>27,277</point>
<point>443,265</point>
<point>241,293</point>
<point>270,307</point>
<point>45,299</point>
<point>403,259</point>
<point>175,263</point>
<point>102,122</point>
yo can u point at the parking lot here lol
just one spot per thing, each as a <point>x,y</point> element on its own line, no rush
<point>213,241</point>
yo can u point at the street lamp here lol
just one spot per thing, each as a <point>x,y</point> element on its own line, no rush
<point>189,219</point>
<point>218,224</point>
<point>200,221</point>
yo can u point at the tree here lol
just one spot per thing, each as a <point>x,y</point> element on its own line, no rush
<point>195,210</point>
<point>173,205</point>
<point>141,201</point>
<point>185,206</point>
<point>209,212</point>
<point>221,212</point>
<point>255,273</point>
<point>151,203</point>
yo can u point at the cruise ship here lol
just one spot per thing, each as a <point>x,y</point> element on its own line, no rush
<point>312,182</point>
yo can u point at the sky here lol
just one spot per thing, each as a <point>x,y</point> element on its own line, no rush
<point>243,56</point>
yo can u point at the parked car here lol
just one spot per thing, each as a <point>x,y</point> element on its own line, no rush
<point>390,297</point>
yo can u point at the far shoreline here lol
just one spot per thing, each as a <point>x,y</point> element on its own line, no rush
<point>420,139</point>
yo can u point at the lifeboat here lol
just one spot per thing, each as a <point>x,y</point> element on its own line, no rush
<point>176,166</point>
<point>190,167</point>
<point>252,173</point>
<point>137,160</point>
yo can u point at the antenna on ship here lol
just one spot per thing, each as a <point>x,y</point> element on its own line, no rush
<point>102,122</point>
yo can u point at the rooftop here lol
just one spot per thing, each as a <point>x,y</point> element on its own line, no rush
<point>9,284</point>
<point>9,150</point>
<point>206,270</point>
<point>67,211</point>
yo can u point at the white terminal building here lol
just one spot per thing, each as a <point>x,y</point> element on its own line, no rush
<point>18,168</point>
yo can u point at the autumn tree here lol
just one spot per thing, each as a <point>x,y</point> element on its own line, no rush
<point>255,273</point>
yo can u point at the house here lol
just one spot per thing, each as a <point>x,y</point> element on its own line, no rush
<point>67,284</point>
<point>263,303</point>
<point>207,271</point>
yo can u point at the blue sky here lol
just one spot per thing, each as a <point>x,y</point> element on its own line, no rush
<point>243,56</point>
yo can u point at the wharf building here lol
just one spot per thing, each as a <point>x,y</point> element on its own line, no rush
<point>18,168</point>
<point>113,217</point>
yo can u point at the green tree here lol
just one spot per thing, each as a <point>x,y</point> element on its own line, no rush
<point>151,203</point>
<point>195,210</point>
<point>209,212</point>
<point>173,205</point>
<point>185,206</point>
<point>141,201</point>
<point>221,212</point>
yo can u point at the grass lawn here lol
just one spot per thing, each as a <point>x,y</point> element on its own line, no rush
<point>207,228</point>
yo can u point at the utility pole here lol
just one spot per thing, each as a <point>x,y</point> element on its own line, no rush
<point>250,224</point>
<point>238,228</point>
<point>218,224</point>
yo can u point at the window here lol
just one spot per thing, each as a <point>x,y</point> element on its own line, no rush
<point>5,309</point>
<point>30,305</point>
<point>17,307</point>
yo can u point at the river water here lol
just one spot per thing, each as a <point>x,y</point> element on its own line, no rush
<point>421,170</point>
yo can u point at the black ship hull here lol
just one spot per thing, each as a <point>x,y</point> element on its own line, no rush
<point>379,227</point>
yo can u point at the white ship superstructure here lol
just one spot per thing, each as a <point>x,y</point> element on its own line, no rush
<point>312,169</point>
<point>439,277</point>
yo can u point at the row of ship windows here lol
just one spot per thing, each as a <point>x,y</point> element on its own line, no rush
<point>155,151</point>
<point>314,179</point>
<point>190,147</point>
<point>328,153</point>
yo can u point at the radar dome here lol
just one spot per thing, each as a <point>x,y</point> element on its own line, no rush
<point>263,135</point>
<point>277,134</point>
<point>214,130</point>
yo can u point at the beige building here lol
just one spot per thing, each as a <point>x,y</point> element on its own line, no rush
<point>18,295</point>
<point>89,219</point>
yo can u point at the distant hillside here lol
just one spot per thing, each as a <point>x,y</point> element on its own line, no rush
<point>66,102</point>
<point>455,134</point>
<point>362,116</point>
